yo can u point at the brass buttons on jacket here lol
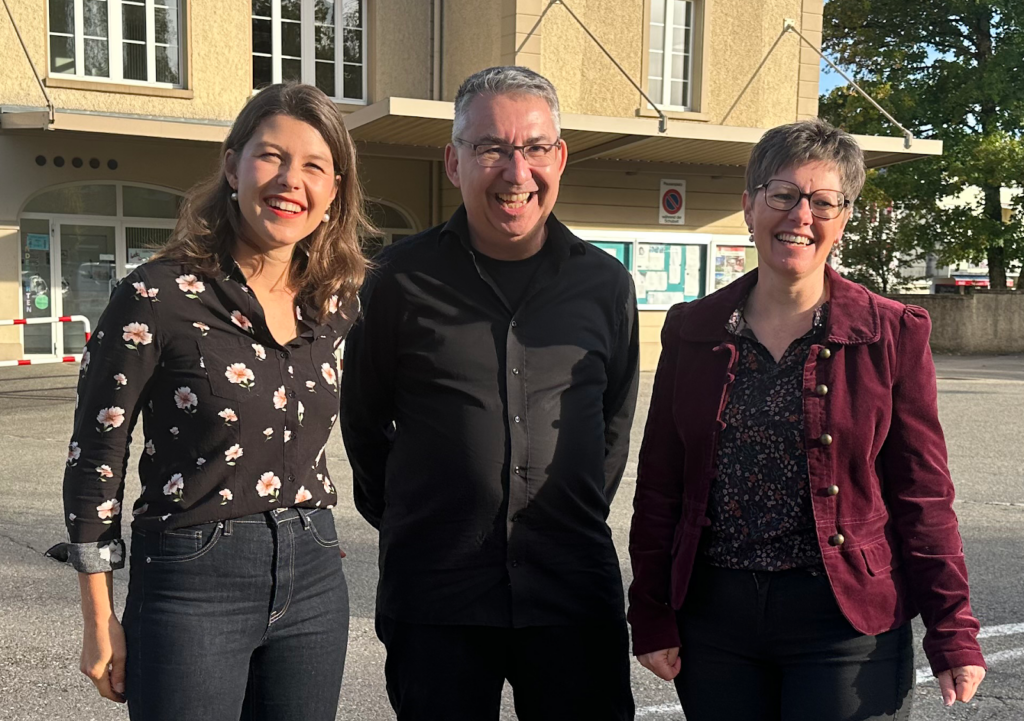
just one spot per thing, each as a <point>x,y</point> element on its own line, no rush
<point>826,439</point>
<point>821,390</point>
<point>824,353</point>
<point>832,490</point>
<point>837,540</point>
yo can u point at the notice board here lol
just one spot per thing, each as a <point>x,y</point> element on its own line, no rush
<point>669,273</point>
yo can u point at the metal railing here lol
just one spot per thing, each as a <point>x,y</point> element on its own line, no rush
<point>74,358</point>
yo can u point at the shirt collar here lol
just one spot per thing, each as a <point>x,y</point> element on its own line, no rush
<point>563,242</point>
<point>737,323</point>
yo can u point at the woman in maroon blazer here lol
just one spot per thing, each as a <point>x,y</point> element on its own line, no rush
<point>793,509</point>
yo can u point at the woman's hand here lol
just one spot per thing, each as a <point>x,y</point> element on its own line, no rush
<point>664,664</point>
<point>960,683</point>
<point>103,654</point>
<point>103,646</point>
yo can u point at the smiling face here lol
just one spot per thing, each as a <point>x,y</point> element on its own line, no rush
<point>507,206</point>
<point>285,180</point>
<point>794,244</point>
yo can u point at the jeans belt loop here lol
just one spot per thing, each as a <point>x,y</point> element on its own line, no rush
<point>304,517</point>
<point>228,524</point>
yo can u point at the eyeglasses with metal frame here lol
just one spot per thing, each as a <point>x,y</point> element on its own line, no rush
<point>783,195</point>
<point>498,155</point>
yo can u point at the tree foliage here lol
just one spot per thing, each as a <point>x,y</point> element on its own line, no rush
<point>878,244</point>
<point>951,70</point>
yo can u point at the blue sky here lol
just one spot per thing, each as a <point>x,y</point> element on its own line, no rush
<point>829,79</point>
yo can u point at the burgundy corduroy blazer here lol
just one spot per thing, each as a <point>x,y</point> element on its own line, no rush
<point>889,537</point>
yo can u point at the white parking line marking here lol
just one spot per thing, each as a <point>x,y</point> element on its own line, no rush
<point>1007,629</point>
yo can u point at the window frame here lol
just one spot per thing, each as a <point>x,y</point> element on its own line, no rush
<point>115,39</point>
<point>698,68</point>
<point>308,25</point>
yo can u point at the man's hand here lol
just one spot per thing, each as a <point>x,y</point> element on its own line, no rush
<point>665,664</point>
<point>103,655</point>
<point>960,683</point>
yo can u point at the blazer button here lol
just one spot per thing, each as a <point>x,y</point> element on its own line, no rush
<point>824,353</point>
<point>833,490</point>
<point>826,439</point>
<point>837,540</point>
<point>821,390</point>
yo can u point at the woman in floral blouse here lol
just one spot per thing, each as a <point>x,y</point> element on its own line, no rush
<point>226,344</point>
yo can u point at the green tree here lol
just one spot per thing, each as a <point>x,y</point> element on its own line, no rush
<point>879,243</point>
<point>951,70</point>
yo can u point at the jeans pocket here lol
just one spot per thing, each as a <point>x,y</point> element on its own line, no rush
<point>181,544</point>
<point>321,527</point>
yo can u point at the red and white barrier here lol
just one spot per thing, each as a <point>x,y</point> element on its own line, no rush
<point>48,321</point>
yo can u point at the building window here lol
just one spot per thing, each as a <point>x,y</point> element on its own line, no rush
<point>133,41</point>
<point>670,63</point>
<point>319,42</point>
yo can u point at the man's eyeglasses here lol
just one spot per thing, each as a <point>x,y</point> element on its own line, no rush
<point>498,155</point>
<point>783,195</point>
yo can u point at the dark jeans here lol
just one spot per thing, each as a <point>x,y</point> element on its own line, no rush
<point>445,673</point>
<point>241,619</point>
<point>775,647</point>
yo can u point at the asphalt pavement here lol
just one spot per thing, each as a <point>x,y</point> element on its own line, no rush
<point>981,402</point>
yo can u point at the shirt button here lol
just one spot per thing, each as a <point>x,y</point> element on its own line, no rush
<point>837,540</point>
<point>514,324</point>
<point>515,564</point>
<point>517,470</point>
<point>833,490</point>
<point>284,354</point>
<point>291,394</point>
<point>291,479</point>
<point>825,353</point>
<point>515,371</point>
<point>516,517</point>
<point>821,390</point>
<point>826,439</point>
<point>516,419</point>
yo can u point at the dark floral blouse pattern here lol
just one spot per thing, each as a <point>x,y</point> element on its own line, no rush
<point>234,422</point>
<point>760,502</point>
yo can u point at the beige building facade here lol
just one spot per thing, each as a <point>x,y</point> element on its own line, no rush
<point>134,96</point>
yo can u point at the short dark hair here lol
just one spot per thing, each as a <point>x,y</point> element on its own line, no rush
<point>807,141</point>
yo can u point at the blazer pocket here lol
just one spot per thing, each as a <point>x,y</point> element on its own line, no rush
<point>878,557</point>
<point>234,372</point>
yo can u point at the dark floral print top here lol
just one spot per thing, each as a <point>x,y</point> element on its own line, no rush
<point>234,422</point>
<point>760,501</point>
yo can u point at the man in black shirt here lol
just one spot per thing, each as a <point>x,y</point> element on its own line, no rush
<point>487,399</point>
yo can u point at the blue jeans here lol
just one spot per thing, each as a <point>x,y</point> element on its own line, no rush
<point>243,619</point>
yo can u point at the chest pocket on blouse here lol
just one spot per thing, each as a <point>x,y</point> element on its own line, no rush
<point>235,371</point>
<point>325,365</point>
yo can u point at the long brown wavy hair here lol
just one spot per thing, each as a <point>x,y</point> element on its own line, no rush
<point>330,262</point>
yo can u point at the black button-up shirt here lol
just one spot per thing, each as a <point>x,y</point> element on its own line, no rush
<point>235,423</point>
<point>487,443</point>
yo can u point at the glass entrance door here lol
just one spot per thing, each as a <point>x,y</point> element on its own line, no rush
<point>37,285</point>
<point>88,268</point>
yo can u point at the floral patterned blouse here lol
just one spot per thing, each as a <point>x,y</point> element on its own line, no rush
<point>760,501</point>
<point>234,422</point>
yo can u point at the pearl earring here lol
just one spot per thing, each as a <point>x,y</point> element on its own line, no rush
<point>234,196</point>
<point>327,217</point>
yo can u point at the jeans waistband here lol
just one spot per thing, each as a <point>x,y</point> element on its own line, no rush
<point>276,517</point>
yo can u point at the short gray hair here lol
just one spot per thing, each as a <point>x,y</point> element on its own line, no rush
<point>503,80</point>
<point>807,141</point>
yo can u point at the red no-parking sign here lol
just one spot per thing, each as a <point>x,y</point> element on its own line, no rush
<point>672,208</point>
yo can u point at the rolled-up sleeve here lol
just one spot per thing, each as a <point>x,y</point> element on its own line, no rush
<point>919,493</point>
<point>118,363</point>
<point>657,506</point>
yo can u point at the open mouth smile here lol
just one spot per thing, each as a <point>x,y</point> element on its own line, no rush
<point>284,207</point>
<point>790,239</point>
<point>513,201</point>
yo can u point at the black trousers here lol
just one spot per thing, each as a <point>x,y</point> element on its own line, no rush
<point>775,647</point>
<point>456,673</point>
